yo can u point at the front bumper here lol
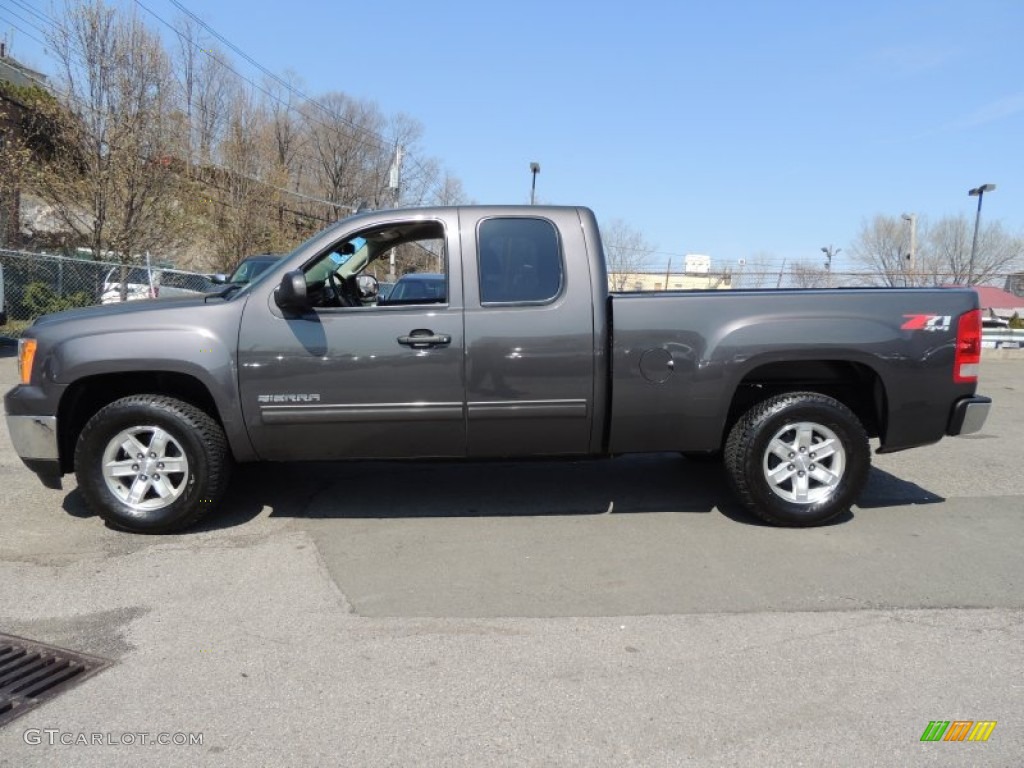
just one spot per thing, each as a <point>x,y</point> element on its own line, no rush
<point>969,414</point>
<point>35,441</point>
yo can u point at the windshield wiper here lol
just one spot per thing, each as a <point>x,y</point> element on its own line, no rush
<point>225,292</point>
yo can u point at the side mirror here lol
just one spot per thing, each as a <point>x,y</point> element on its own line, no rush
<point>291,293</point>
<point>369,288</point>
<point>219,279</point>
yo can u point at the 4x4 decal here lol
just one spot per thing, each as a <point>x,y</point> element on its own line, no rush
<point>926,323</point>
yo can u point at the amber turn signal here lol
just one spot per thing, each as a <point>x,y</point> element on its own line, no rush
<point>26,355</point>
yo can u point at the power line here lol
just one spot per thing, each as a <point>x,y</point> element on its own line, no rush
<point>23,20</point>
<point>43,17</point>
<point>375,141</point>
<point>29,35</point>
<point>82,104</point>
<point>88,107</point>
<point>380,143</point>
<point>383,142</point>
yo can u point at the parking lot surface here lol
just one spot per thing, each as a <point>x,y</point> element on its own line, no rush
<point>621,612</point>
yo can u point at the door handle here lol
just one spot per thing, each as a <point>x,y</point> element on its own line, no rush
<point>422,338</point>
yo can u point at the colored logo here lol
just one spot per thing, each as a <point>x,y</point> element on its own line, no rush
<point>926,323</point>
<point>958,730</point>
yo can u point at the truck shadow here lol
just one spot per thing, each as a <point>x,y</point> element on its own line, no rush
<point>626,485</point>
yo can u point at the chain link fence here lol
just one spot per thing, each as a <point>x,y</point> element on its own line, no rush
<point>34,284</point>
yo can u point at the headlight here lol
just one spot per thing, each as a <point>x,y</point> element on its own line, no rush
<point>26,355</point>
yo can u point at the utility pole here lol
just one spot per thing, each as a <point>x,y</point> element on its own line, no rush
<point>395,185</point>
<point>912,256</point>
<point>395,175</point>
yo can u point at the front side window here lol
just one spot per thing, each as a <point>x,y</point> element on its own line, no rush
<point>520,261</point>
<point>393,264</point>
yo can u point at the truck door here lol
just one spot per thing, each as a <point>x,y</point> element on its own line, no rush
<point>529,335</point>
<point>357,377</point>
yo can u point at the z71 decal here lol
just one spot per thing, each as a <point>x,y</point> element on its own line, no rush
<point>926,323</point>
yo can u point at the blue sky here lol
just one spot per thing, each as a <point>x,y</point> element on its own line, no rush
<point>731,128</point>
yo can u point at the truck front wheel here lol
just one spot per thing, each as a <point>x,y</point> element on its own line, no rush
<point>798,459</point>
<point>151,464</point>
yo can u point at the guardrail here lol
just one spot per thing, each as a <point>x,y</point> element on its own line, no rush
<point>1002,338</point>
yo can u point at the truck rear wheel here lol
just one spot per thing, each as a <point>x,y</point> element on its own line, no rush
<point>151,464</point>
<point>798,459</point>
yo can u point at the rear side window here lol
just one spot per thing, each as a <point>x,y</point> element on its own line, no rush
<point>520,261</point>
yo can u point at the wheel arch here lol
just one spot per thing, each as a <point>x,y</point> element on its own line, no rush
<point>87,395</point>
<point>855,384</point>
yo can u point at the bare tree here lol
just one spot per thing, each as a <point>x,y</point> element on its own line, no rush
<point>948,254</point>
<point>881,248</point>
<point>115,187</point>
<point>626,251</point>
<point>759,271</point>
<point>450,191</point>
<point>346,154</point>
<point>943,256</point>
<point>244,201</point>
<point>805,275</point>
<point>18,132</point>
<point>206,88</point>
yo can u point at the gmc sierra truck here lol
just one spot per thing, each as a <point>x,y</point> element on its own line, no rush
<point>513,348</point>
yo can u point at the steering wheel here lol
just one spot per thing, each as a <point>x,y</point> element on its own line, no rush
<point>341,297</point>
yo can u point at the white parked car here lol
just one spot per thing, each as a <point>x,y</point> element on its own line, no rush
<point>141,283</point>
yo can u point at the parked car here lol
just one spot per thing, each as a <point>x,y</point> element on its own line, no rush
<point>249,269</point>
<point>383,291</point>
<point>523,354</point>
<point>417,288</point>
<point>174,282</point>
<point>140,283</point>
<point>154,283</point>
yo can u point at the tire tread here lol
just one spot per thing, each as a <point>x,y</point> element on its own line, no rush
<point>210,433</point>
<point>739,447</point>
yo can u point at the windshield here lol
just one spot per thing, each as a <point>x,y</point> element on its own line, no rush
<point>249,270</point>
<point>344,260</point>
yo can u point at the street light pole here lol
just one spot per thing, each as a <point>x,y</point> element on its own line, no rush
<point>830,253</point>
<point>978,192</point>
<point>912,218</point>
<point>534,169</point>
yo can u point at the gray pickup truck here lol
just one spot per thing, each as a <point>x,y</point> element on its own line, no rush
<point>512,348</point>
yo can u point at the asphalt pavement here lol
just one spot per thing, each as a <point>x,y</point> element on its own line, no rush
<point>621,612</point>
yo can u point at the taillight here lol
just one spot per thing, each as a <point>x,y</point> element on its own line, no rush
<point>968,347</point>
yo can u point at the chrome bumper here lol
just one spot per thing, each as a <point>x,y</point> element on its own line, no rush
<point>969,415</point>
<point>34,437</point>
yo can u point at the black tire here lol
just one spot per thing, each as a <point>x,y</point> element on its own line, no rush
<point>194,442</point>
<point>766,474</point>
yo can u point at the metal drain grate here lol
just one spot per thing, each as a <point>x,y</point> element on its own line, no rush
<point>31,673</point>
